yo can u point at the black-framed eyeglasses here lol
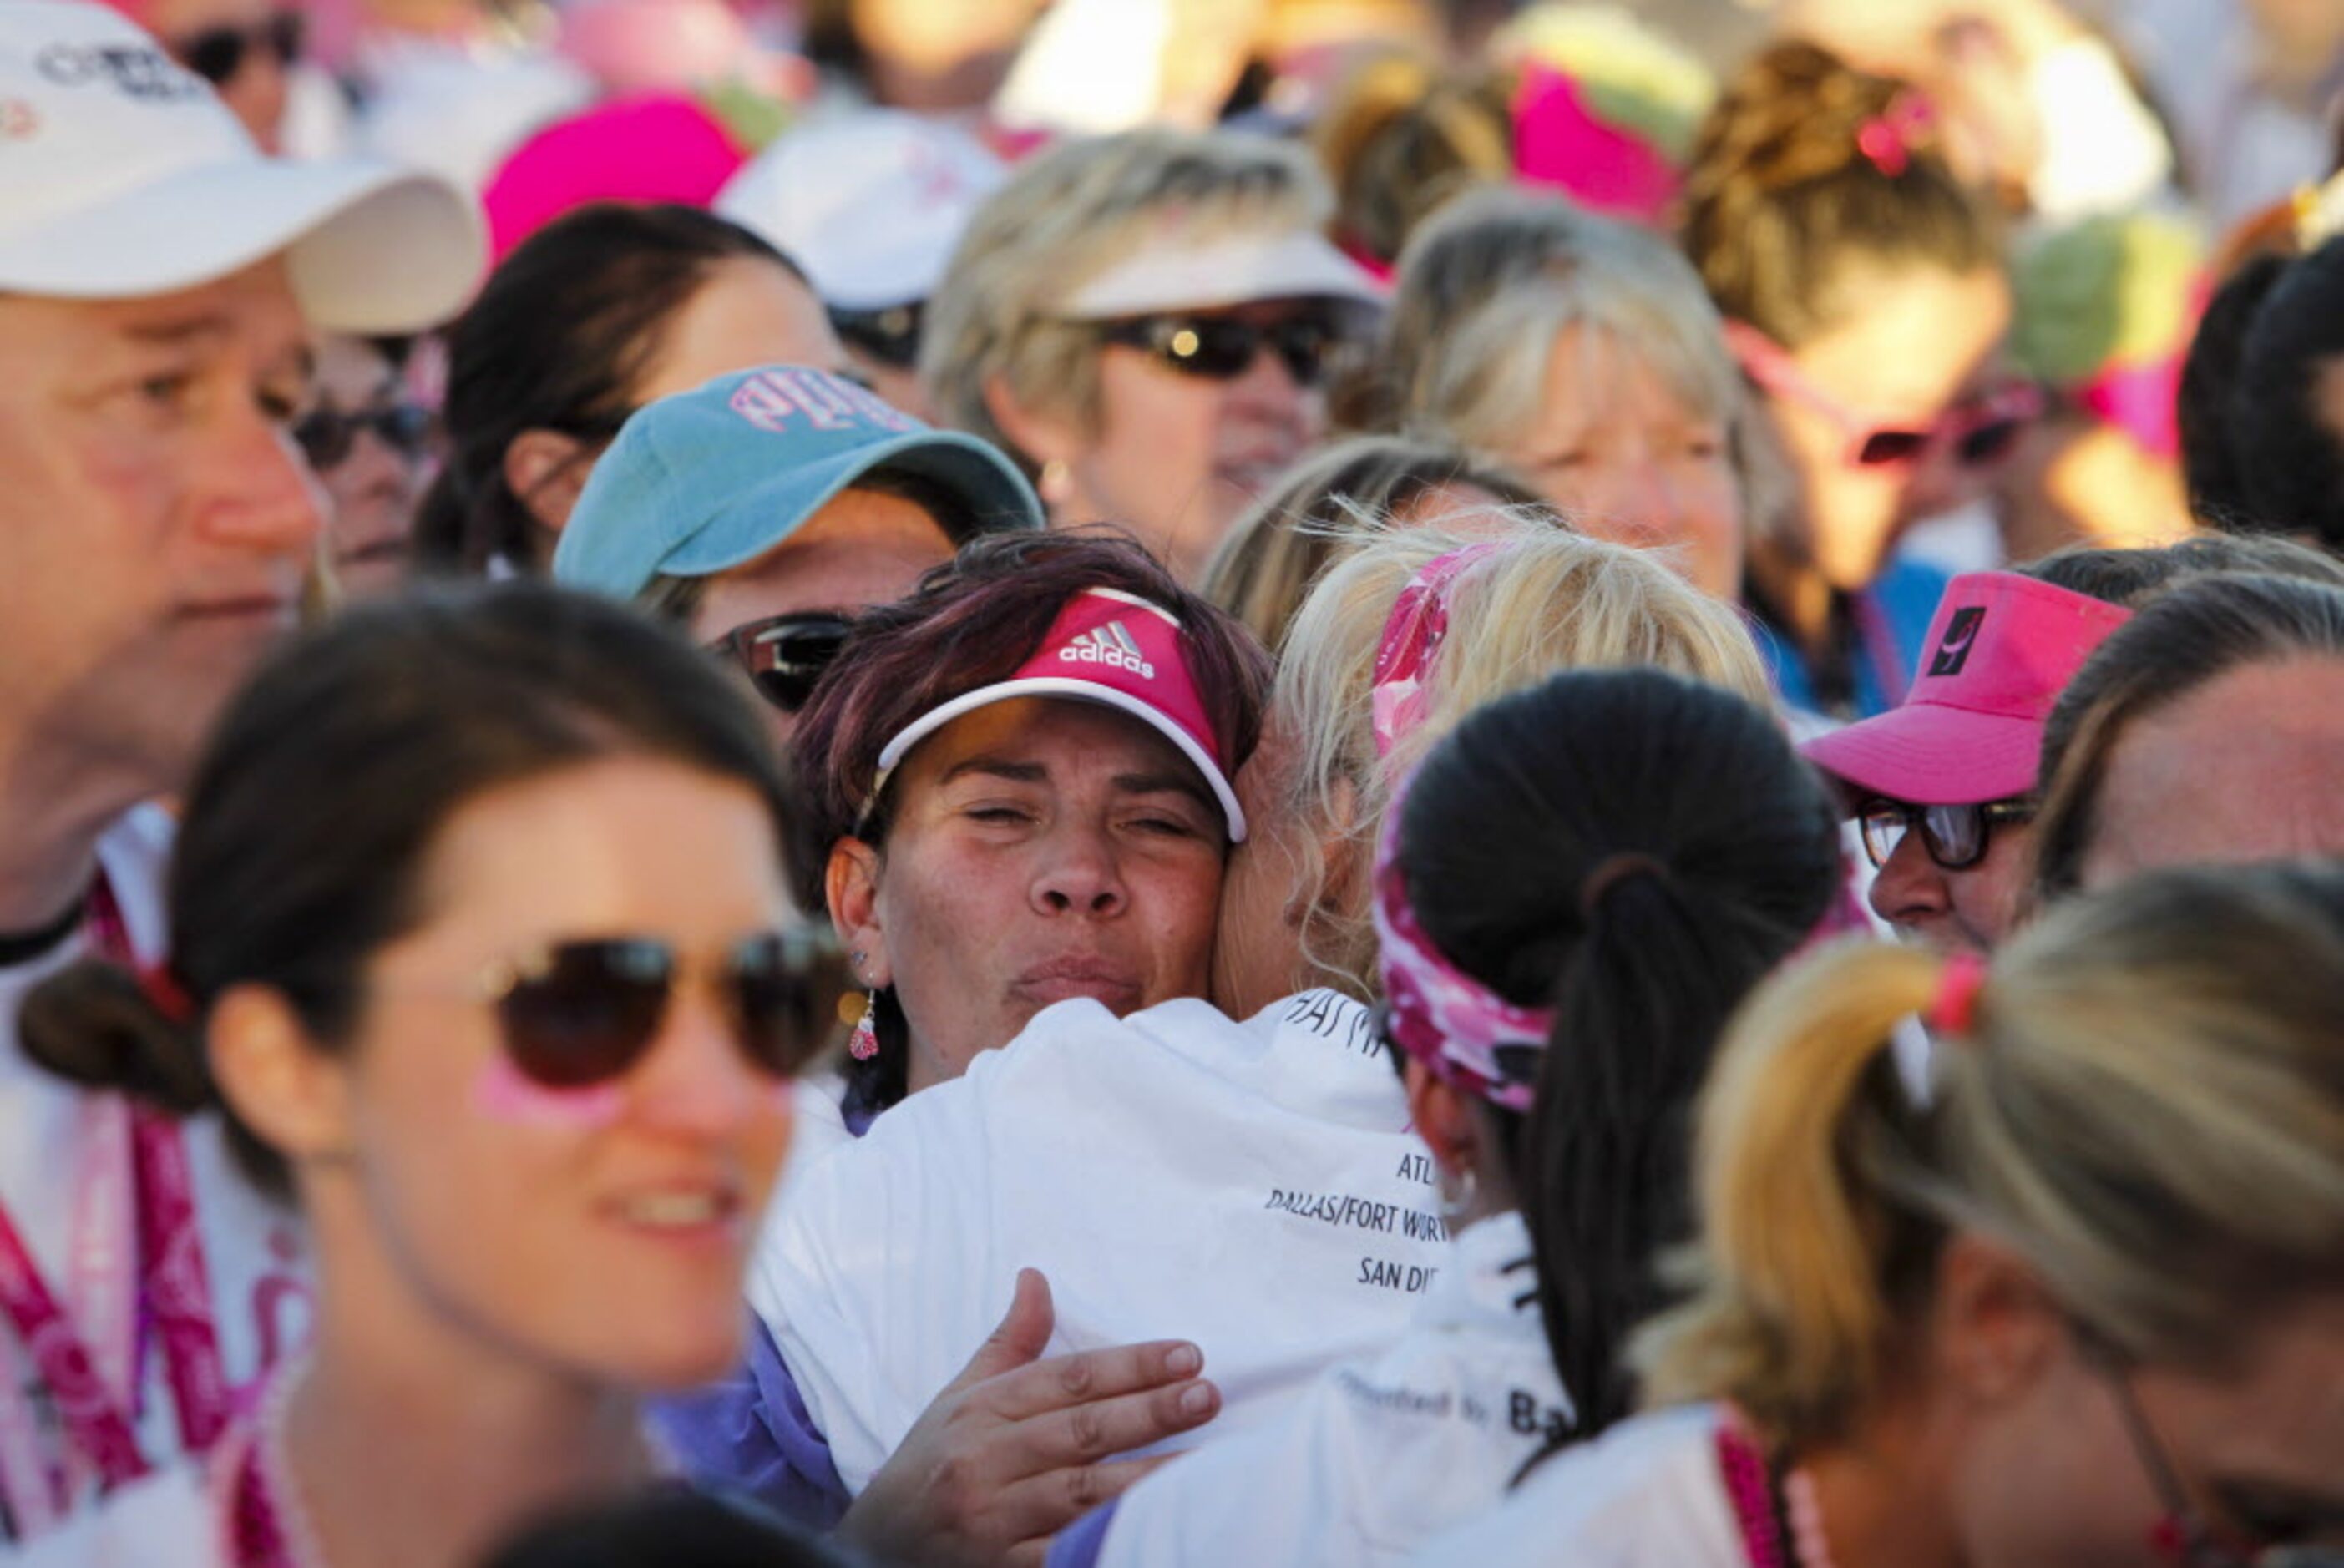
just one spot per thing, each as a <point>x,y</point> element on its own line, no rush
<point>1956,837</point>
<point>325,436</point>
<point>218,54</point>
<point>784,656</point>
<point>2184,1535</point>
<point>1224,348</point>
<point>891,336</point>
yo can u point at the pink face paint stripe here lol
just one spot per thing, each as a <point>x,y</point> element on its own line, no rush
<point>503,1093</point>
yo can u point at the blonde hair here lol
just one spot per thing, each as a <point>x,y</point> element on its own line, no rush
<point>1495,276</point>
<point>1266,563</point>
<point>1548,601</point>
<point>1067,215</point>
<point>1486,289</point>
<point>2147,1103</point>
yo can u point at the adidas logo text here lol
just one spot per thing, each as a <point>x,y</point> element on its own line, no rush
<point>1110,644</point>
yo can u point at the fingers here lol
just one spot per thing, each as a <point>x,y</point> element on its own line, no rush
<point>1035,1509</point>
<point>1022,1333</point>
<point>1056,1458</point>
<point>1062,1382</point>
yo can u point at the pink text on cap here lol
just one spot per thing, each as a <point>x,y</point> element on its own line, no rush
<point>770,400</point>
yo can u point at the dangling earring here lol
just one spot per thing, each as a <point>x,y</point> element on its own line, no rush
<point>1458,1195</point>
<point>863,1044</point>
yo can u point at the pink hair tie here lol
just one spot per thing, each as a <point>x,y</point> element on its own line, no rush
<point>1888,140</point>
<point>166,995</point>
<point>1955,1008</point>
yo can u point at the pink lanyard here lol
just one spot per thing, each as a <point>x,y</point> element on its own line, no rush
<point>150,1231</point>
<point>1750,1488</point>
<point>257,1523</point>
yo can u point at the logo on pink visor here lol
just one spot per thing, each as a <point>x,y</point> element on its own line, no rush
<point>1111,648</point>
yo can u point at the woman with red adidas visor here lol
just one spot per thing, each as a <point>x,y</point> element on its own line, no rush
<point>1024,769</point>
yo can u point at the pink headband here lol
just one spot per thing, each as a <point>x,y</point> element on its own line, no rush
<point>1414,634</point>
<point>1434,1011</point>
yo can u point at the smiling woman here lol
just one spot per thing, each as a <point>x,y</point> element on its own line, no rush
<point>512,1020</point>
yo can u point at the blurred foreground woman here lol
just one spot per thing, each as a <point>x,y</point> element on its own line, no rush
<point>486,951</point>
<point>2084,1306</point>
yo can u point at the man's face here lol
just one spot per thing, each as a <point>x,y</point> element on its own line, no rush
<point>154,522</point>
<point>2245,768</point>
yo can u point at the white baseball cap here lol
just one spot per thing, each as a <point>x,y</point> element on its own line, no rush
<point>1181,273</point>
<point>870,202</point>
<point>122,175</point>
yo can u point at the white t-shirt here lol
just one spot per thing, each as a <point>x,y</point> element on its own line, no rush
<point>1646,1494</point>
<point>1380,1454</point>
<point>253,1249</point>
<point>1252,1188</point>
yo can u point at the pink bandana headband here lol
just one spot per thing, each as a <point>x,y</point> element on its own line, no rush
<point>1436,1012</point>
<point>1414,634</point>
<point>1432,1010</point>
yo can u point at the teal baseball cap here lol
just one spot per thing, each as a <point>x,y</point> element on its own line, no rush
<point>712,479</point>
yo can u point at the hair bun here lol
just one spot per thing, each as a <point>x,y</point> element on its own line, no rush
<point>91,1024</point>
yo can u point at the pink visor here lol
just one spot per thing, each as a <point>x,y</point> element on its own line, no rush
<point>1111,648</point>
<point>1999,653</point>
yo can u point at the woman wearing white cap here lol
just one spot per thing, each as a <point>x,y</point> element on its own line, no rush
<point>1146,321</point>
<point>1578,887</point>
<point>160,282</point>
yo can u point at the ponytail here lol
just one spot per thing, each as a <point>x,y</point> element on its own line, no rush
<point>1604,1161</point>
<point>93,1023</point>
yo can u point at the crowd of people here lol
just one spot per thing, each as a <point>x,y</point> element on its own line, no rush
<point>1171,783</point>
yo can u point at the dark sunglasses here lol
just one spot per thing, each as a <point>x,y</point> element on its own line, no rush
<point>577,1013</point>
<point>1223,348</point>
<point>1955,835</point>
<point>218,54</point>
<point>326,435</point>
<point>784,656</point>
<point>891,336</point>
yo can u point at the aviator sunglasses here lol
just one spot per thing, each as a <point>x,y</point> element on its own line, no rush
<point>784,656</point>
<point>1980,432</point>
<point>218,54</point>
<point>1955,835</point>
<point>1223,348</point>
<point>575,1013</point>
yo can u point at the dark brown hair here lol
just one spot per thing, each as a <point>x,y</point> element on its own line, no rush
<point>556,341</point>
<point>970,622</point>
<point>313,813</point>
<point>1781,201</point>
<point>2195,634</point>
